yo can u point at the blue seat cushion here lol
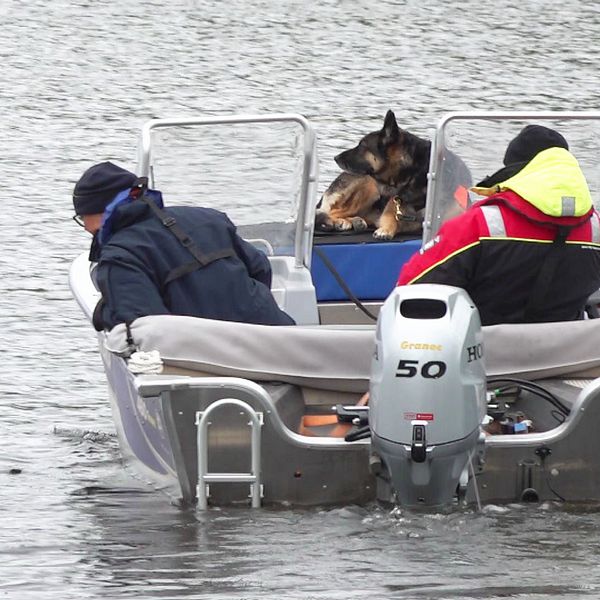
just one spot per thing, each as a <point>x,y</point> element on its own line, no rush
<point>369,269</point>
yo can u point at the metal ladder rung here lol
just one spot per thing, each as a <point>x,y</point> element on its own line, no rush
<point>229,478</point>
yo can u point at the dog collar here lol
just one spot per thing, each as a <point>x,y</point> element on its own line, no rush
<point>401,215</point>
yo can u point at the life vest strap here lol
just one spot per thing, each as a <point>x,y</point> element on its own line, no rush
<point>201,259</point>
<point>197,264</point>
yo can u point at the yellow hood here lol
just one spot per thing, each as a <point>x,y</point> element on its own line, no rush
<point>552,181</point>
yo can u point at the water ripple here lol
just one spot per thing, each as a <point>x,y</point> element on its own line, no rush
<point>79,79</point>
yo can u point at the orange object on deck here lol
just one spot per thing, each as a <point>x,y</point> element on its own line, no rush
<point>323,426</point>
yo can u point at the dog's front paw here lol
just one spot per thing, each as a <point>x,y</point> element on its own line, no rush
<point>359,224</point>
<point>343,225</point>
<point>383,234</point>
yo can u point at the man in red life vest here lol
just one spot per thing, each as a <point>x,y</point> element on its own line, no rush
<point>530,251</point>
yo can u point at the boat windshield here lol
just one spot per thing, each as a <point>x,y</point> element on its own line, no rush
<point>470,146</point>
<point>260,170</point>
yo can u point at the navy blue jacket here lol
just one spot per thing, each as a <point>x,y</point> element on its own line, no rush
<point>141,252</point>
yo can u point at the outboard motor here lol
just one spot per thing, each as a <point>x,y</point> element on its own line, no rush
<point>427,394</point>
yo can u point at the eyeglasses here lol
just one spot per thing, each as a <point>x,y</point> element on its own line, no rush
<point>79,220</point>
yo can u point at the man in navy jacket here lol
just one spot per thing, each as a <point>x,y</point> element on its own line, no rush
<point>180,260</point>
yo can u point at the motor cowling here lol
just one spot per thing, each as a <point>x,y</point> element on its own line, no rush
<point>427,394</point>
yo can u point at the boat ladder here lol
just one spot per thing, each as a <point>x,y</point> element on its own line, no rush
<point>205,478</point>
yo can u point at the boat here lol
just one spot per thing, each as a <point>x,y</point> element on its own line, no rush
<point>218,413</point>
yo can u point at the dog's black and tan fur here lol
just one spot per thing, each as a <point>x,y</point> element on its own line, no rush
<point>383,185</point>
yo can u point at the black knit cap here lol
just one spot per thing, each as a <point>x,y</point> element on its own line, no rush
<point>98,186</point>
<point>532,140</point>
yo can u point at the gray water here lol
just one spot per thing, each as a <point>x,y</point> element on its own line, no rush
<point>78,81</point>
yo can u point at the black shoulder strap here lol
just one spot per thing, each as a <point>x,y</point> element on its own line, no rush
<point>546,274</point>
<point>201,259</point>
<point>197,264</point>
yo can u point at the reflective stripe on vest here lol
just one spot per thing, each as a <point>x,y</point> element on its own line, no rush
<point>494,220</point>
<point>595,225</point>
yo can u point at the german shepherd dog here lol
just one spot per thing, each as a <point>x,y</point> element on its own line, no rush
<point>383,185</point>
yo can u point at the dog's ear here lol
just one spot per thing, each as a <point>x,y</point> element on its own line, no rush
<point>390,131</point>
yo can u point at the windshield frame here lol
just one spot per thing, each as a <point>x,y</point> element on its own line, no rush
<point>305,218</point>
<point>433,207</point>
